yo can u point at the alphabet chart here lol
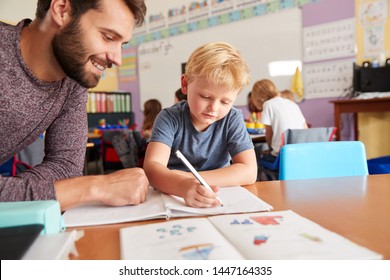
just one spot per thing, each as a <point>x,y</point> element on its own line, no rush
<point>328,79</point>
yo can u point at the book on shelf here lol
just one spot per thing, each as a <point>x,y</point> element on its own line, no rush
<point>162,206</point>
<point>281,235</point>
<point>109,102</point>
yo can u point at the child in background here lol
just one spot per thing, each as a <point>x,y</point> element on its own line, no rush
<point>207,129</point>
<point>252,109</point>
<point>287,94</point>
<point>179,96</point>
<point>278,114</point>
<point>290,95</point>
<point>151,109</point>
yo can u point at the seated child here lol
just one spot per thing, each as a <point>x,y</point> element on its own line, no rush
<point>151,109</point>
<point>286,93</point>
<point>207,129</point>
<point>278,115</point>
<point>179,96</point>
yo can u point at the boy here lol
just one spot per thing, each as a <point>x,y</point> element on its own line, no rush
<point>205,128</point>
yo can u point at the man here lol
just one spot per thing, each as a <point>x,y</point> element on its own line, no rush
<point>46,67</point>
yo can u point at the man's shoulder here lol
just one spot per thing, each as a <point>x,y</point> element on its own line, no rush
<point>9,35</point>
<point>6,29</point>
<point>5,25</point>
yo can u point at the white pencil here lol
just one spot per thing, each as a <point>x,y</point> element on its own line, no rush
<point>196,174</point>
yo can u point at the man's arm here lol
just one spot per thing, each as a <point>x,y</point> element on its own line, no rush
<point>123,187</point>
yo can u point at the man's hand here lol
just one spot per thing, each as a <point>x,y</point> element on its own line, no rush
<point>123,187</point>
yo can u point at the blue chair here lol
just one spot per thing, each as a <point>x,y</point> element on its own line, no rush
<point>322,160</point>
<point>294,136</point>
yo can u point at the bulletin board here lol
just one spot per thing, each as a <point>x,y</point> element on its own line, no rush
<point>261,40</point>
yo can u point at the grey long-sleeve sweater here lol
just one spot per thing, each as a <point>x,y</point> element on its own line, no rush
<point>28,107</point>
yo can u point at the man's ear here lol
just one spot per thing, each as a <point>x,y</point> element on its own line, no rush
<point>184,84</point>
<point>60,11</point>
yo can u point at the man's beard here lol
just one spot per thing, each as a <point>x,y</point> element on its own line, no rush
<point>72,56</point>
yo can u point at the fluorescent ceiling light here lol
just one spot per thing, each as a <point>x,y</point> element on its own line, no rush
<point>284,67</point>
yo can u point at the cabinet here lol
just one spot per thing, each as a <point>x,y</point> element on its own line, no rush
<point>109,105</point>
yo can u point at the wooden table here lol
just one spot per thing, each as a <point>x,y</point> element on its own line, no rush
<point>355,106</point>
<point>93,135</point>
<point>257,138</point>
<point>357,208</point>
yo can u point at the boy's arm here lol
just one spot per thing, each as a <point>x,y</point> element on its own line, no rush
<point>243,171</point>
<point>175,182</point>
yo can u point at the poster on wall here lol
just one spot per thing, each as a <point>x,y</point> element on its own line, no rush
<point>372,16</point>
<point>328,53</point>
<point>373,12</point>
<point>128,69</point>
<point>328,79</point>
<point>329,41</point>
<point>374,43</point>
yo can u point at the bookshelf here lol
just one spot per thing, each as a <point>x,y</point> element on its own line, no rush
<point>109,105</point>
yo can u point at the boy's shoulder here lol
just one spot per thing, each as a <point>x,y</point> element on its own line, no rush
<point>177,108</point>
<point>235,110</point>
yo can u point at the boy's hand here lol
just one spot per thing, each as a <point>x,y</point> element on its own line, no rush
<point>196,195</point>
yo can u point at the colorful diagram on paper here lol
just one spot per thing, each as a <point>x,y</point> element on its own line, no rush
<point>267,220</point>
<point>244,222</point>
<point>175,230</point>
<point>311,237</point>
<point>191,252</point>
<point>260,239</point>
<point>197,251</point>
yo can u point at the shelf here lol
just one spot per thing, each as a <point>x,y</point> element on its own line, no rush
<point>109,105</point>
<point>111,118</point>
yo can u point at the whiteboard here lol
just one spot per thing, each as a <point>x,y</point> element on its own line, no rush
<point>260,40</point>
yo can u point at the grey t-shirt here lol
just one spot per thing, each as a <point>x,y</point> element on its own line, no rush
<point>207,150</point>
<point>29,107</point>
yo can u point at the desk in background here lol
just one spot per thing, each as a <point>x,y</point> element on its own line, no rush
<point>355,106</point>
<point>94,135</point>
<point>258,138</point>
<point>357,208</point>
<point>93,147</point>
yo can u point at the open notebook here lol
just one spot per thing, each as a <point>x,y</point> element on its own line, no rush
<point>279,235</point>
<point>162,206</point>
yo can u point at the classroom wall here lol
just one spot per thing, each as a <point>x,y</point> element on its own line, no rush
<point>245,24</point>
<point>163,58</point>
<point>319,112</point>
<point>12,11</point>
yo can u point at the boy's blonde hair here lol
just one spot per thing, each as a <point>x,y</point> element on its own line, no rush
<point>220,63</point>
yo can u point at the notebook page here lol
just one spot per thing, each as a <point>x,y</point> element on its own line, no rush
<point>184,239</point>
<point>99,214</point>
<point>286,235</point>
<point>235,200</point>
